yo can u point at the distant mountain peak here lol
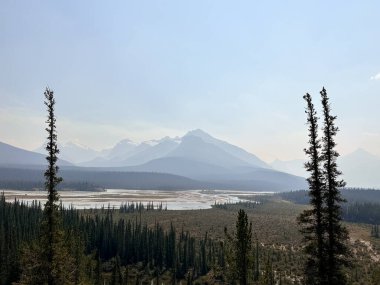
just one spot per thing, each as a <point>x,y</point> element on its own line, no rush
<point>162,140</point>
<point>197,133</point>
<point>362,151</point>
<point>167,138</point>
<point>76,144</point>
<point>126,141</point>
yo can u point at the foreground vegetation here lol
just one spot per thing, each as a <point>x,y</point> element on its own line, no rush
<point>174,246</point>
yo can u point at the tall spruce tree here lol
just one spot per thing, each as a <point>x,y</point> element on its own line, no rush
<point>337,235</point>
<point>311,220</point>
<point>58,264</point>
<point>242,245</point>
<point>47,260</point>
<point>325,236</point>
<point>51,223</point>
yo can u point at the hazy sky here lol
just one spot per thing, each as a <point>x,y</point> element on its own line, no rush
<point>147,69</point>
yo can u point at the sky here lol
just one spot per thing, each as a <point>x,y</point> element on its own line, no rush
<point>149,69</point>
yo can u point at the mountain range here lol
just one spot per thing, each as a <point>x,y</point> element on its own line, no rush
<point>13,156</point>
<point>359,168</point>
<point>199,159</point>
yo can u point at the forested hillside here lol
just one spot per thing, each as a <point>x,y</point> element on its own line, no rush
<point>362,205</point>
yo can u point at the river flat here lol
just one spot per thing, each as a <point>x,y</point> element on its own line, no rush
<point>172,200</point>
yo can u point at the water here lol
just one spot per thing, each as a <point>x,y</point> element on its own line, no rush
<point>172,200</point>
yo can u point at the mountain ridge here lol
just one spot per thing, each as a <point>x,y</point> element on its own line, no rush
<point>133,156</point>
<point>197,156</point>
<point>11,155</point>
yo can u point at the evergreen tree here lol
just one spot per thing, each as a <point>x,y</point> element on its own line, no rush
<point>242,244</point>
<point>337,235</point>
<point>256,270</point>
<point>98,270</point>
<point>268,277</point>
<point>311,220</point>
<point>54,251</point>
<point>117,277</point>
<point>47,261</point>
